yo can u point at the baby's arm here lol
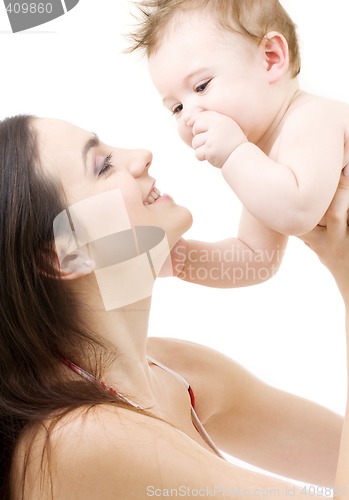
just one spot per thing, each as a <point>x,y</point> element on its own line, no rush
<point>291,191</point>
<point>251,258</point>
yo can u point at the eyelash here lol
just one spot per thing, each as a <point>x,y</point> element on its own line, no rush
<point>177,109</point>
<point>204,85</point>
<point>107,164</point>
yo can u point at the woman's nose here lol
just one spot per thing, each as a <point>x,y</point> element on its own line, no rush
<point>140,161</point>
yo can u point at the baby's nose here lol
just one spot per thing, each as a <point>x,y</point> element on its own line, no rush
<point>190,116</point>
<point>190,122</point>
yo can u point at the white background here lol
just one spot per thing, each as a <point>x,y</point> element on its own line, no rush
<point>290,330</point>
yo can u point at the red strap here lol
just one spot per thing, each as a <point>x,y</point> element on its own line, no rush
<point>192,397</point>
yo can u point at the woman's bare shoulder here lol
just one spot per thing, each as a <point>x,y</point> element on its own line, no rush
<point>115,453</point>
<point>93,430</point>
<point>178,350</point>
<point>191,359</point>
<point>91,452</point>
<point>110,452</point>
<point>218,381</point>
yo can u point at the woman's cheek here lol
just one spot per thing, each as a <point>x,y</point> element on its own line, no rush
<point>137,212</point>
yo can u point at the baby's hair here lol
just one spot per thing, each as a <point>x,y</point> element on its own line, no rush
<point>251,18</point>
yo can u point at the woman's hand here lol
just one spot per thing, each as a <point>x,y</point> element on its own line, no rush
<point>331,243</point>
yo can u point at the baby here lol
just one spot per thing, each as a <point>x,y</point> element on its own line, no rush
<point>227,70</point>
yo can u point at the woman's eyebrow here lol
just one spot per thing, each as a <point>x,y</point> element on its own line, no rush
<point>91,143</point>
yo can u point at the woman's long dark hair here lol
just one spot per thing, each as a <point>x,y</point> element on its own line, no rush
<point>40,320</point>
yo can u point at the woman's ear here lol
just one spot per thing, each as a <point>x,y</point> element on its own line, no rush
<point>75,265</point>
<point>275,55</point>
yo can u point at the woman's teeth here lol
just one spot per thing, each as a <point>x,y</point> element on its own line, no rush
<point>153,196</point>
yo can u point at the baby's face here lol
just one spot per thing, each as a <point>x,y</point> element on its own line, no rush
<point>199,67</point>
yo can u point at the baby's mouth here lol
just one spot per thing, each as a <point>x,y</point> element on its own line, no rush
<point>152,196</point>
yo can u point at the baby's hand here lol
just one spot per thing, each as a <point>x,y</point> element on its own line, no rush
<point>216,136</point>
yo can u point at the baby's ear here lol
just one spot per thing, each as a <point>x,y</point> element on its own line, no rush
<point>276,55</point>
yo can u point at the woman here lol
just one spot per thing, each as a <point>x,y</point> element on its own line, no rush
<point>90,408</point>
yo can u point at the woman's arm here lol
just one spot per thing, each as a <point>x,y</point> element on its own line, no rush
<point>253,421</point>
<point>332,246</point>
<point>113,454</point>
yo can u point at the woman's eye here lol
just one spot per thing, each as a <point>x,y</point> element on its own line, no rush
<point>106,165</point>
<point>202,86</point>
<point>177,109</point>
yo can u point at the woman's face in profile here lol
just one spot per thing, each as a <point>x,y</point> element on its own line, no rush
<point>86,167</point>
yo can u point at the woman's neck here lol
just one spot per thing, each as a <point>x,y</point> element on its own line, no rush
<point>125,331</point>
<point>124,328</point>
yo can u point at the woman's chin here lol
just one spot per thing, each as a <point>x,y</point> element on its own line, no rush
<point>189,219</point>
<point>184,222</point>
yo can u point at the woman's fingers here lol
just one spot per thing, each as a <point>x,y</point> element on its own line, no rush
<point>315,238</point>
<point>337,214</point>
<point>336,219</point>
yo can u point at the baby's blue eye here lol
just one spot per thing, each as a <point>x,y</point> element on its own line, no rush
<point>202,86</point>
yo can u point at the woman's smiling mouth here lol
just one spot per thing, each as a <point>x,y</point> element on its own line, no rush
<point>153,195</point>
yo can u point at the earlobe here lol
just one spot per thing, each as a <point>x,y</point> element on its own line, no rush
<point>75,266</point>
<point>72,266</point>
<point>276,56</point>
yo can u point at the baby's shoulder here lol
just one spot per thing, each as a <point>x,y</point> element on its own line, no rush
<point>309,113</point>
<point>310,106</point>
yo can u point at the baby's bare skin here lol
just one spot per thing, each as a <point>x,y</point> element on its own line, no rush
<point>281,150</point>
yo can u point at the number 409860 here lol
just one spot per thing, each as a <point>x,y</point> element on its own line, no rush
<point>29,8</point>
